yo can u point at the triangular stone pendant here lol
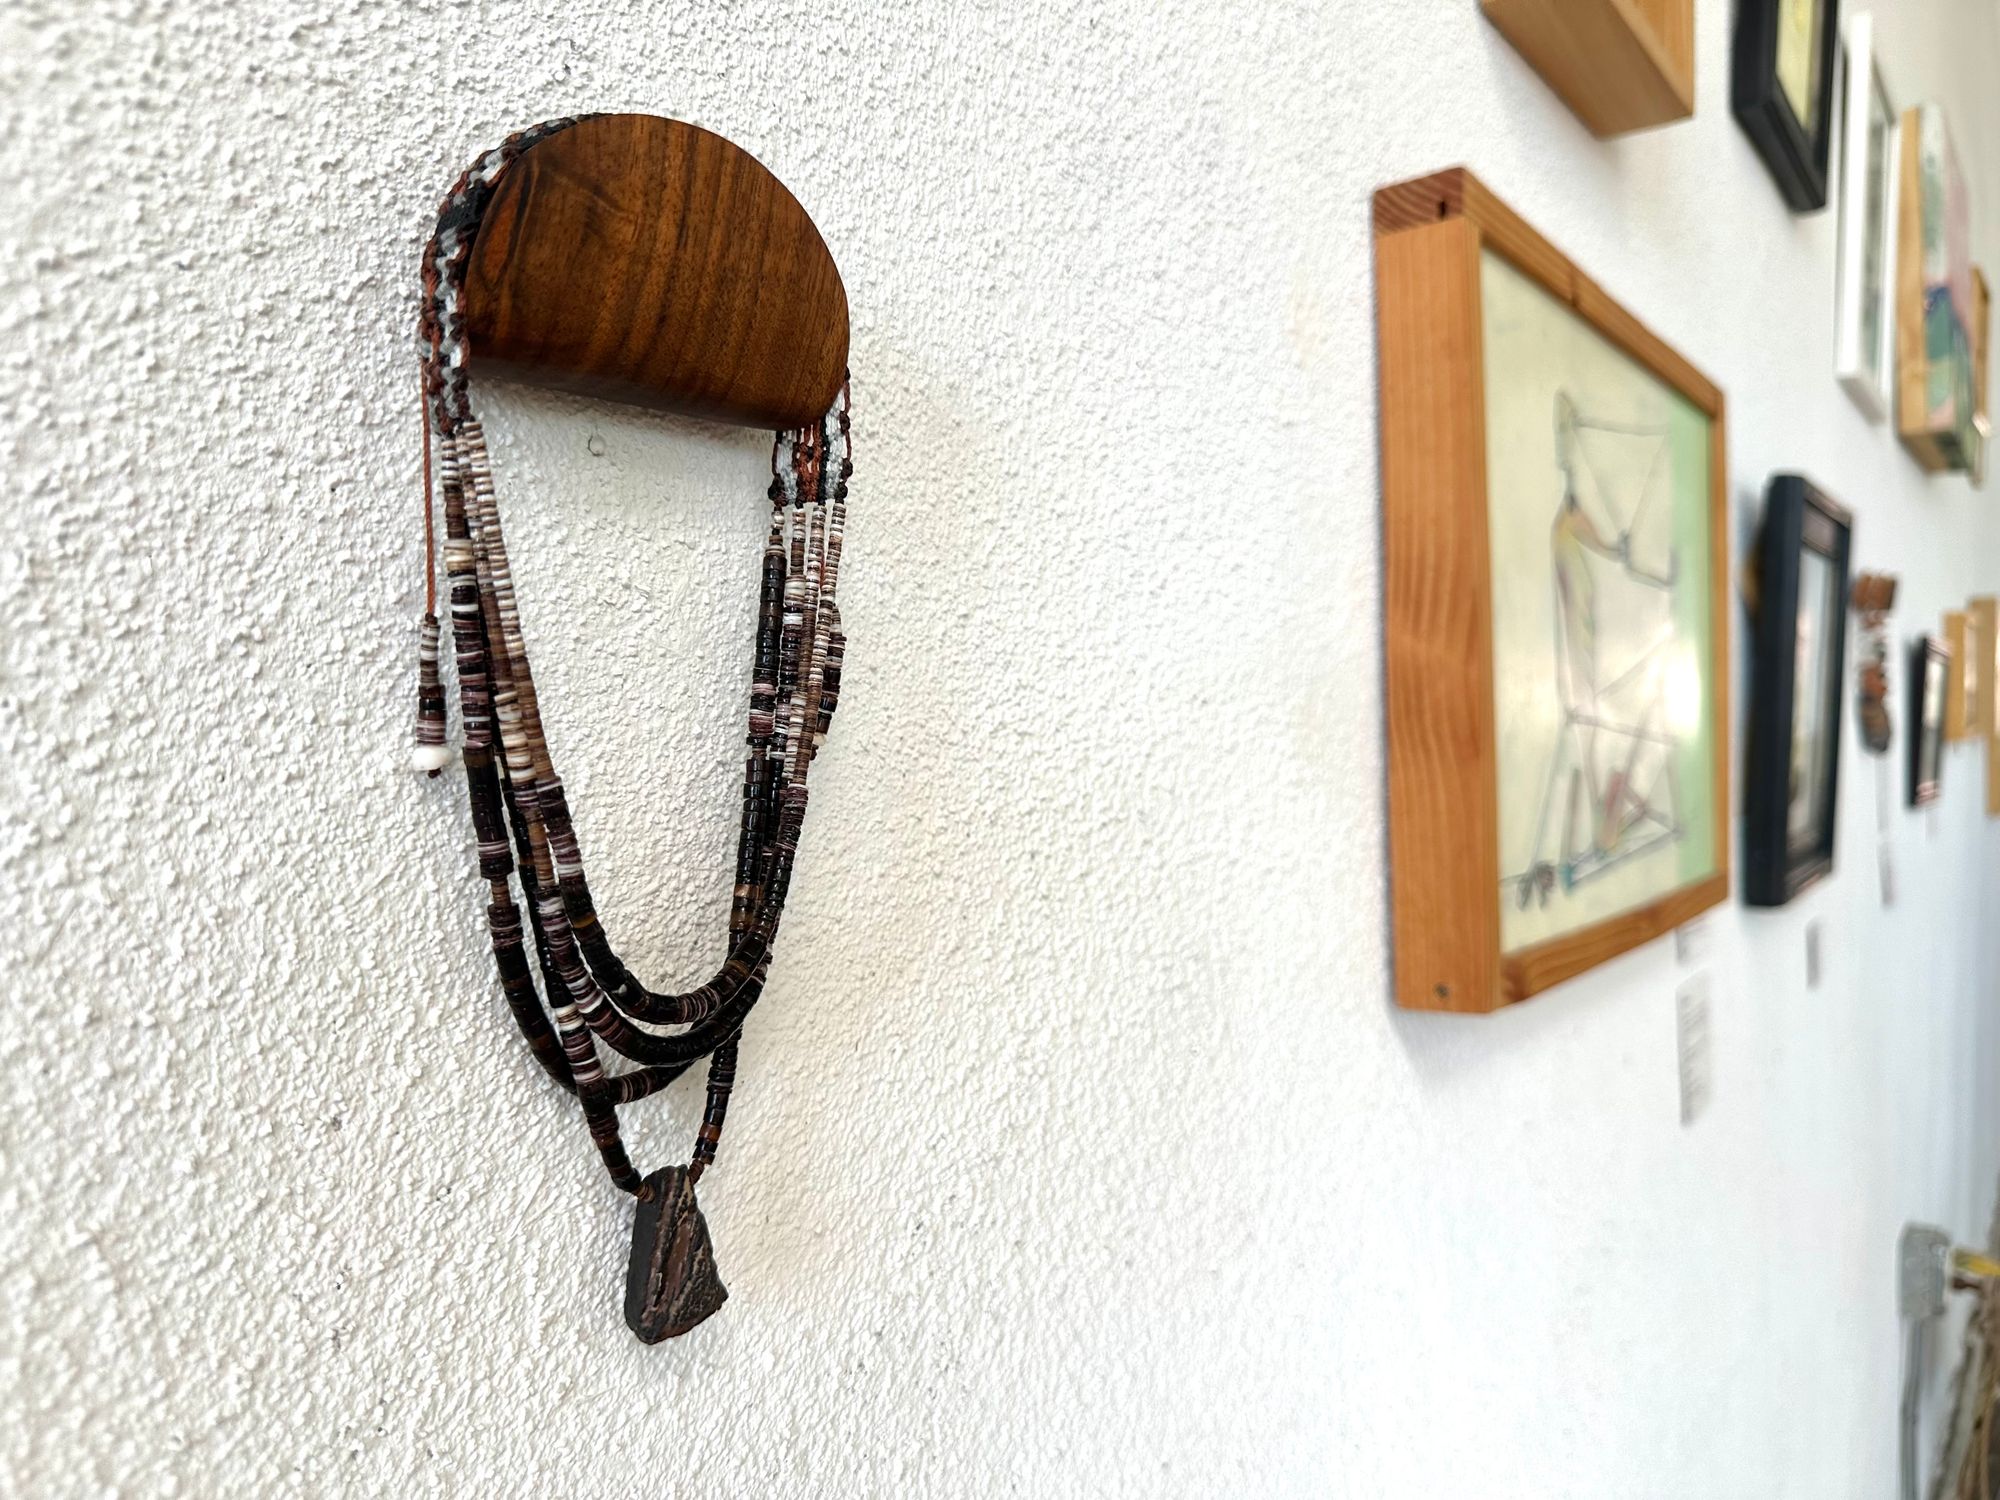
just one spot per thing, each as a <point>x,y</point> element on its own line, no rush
<point>671,1284</point>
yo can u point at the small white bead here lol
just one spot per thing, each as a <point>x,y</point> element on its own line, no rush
<point>430,757</point>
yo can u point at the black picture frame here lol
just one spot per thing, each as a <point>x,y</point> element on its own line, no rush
<point>1930,672</point>
<point>1796,152</point>
<point>1802,563</point>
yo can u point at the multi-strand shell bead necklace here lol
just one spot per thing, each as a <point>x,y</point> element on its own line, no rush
<point>588,998</point>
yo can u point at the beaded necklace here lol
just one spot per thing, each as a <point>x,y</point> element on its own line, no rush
<point>588,998</point>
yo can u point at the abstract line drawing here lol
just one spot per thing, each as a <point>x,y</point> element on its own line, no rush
<point>1611,792</point>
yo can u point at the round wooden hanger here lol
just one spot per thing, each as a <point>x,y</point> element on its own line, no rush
<point>651,261</point>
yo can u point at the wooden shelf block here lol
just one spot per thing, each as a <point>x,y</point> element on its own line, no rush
<point>1620,65</point>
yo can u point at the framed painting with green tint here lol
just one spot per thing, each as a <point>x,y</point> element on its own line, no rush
<point>1556,569</point>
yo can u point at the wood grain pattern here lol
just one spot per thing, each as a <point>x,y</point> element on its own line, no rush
<point>1958,677</point>
<point>1437,587</point>
<point>1437,584</point>
<point>648,260</point>
<point>1621,65</point>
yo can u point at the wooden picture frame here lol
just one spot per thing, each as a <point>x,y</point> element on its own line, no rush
<point>1959,633</point>
<point>1450,261</point>
<point>1935,298</point>
<point>1620,65</point>
<point>1865,300</point>
<point>1983,633</point>
<point>1930,681</point>
<point>1792,779</point>
<point>1781,91</point>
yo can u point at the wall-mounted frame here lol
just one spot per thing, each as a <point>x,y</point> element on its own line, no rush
<point>1982,627</point>
<point>1555,587</point>
<point>1781,89</point>
<point>1620,65</point>
<point>1865,303</point>
<point>1934,296</point>
<point>1797,677</point>
<point>1959,633</point>
<point>1930,679</point>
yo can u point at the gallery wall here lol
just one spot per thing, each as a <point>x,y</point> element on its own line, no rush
<point>1078,1148</point>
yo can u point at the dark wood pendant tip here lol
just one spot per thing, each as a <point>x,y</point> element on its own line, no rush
<point>672,1283</point>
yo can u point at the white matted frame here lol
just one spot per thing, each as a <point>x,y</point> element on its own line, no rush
<point>1865,300</point>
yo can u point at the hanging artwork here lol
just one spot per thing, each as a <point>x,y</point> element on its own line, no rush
<point>1795,684</point>
<point>1620,67</point>
<point>1874,597</point>
<point>1930,671</point>
<point>1553,501</point>
<point>1959,636</point>
<point>1935,313</point>
<point>1863,347</point>
<point>1781,90</point>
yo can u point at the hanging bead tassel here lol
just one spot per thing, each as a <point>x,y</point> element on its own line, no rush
<point>431,755</point>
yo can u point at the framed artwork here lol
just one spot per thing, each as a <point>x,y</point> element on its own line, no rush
<point>1959,635</point>
<point>1619,67</point>
<point>1797,652</point>
<point>1555,595</point>
<point>1781,90</point>
<point>1874,596</point>
<point>1934,297</point>
<point>1863,344</point>
<point>1982,628</point>
<point>1930,675</point>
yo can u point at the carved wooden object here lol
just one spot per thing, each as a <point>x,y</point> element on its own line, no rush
<point>651,261</point>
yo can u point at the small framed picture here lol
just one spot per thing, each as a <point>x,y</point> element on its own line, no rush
<point>1782,91</point>
<point>1799,646</point>
<point>1556,585</point>
<point>1864,343</point>
<point>1930,677</point>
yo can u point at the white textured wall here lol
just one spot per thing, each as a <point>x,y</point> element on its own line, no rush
<point>1077,1150</point>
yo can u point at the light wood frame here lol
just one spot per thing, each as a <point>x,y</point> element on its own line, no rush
<point>1959,634</point>
<point>1939,448</point>
<point>1438,626</point>
<point>1983,624</point>
<point>1620,65</point>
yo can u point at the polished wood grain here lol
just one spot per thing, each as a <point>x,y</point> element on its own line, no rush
<point>651,261</point>
<point>1437,593</point>
<point>1621,65</point>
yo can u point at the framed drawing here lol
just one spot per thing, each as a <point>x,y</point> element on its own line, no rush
<point>1959,634</point>
<point>1797,651</point>
<point>1865,302</point>
<point>1934,296</point>
<point>1781,90</point>
<point>1930,674</point>
<point>1618,66</point>
<point>1555,586</point>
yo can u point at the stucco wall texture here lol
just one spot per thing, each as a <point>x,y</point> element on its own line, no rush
<point>1078,1149</point>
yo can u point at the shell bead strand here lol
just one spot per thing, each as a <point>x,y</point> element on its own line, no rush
<point>567,988</point>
